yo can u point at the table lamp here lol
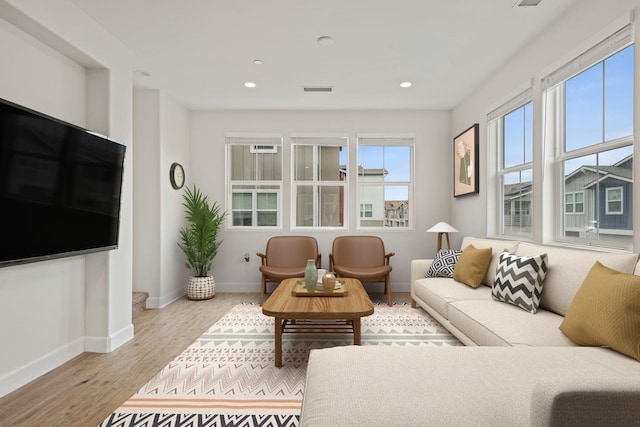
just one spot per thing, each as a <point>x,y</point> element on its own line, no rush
<point>442,228</point>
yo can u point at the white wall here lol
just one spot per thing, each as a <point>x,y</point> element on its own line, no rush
<point>583,25</point>
<point>57,61</point>
<point>432,177</point>
<point>146,204</point>
<point>161,133</point>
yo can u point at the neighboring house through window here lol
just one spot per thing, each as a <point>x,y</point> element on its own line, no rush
<point>319,180</point>
<point>511,135</point>
<point>385,180</point>
<point>589,117</point>
<point>254,165</point>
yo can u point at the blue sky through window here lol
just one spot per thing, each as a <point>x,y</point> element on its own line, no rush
<point>598,108</point>
<point>599,102</point>
<point>396,160</point>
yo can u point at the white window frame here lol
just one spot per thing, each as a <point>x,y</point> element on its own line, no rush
<point>259,143</point>
<point>608,200</point>
<point>495,132</point>
<point>391,139</point>
<point>318,140</point>
<point>553,93</point>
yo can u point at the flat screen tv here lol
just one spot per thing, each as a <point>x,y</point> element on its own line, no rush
<point>60,188</point>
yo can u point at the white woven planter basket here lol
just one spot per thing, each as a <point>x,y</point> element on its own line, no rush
<point>201,287</point>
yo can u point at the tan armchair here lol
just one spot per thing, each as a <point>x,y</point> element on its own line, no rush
<point>362,258</point>
<point>285,258</point>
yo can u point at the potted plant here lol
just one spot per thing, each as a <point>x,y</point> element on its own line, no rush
<point>199,241</point>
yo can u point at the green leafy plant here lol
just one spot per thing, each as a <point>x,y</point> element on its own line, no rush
<point>200,241</point>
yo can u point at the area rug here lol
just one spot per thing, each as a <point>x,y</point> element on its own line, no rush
<point>228,378</point>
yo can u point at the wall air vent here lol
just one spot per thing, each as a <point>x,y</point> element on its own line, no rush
<point>325,89</point>
<point>526,3</point>
<point>263,149</point>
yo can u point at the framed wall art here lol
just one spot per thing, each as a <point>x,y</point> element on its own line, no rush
<point>465,162</point>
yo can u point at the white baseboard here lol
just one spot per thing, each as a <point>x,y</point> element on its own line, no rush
<point>165,300</point>
<point>110,343</point>
<point>17,378</point>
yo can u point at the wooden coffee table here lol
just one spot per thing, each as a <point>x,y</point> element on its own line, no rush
<point>316,314</point>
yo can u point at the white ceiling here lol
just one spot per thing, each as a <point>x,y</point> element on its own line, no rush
<point>201,52</point>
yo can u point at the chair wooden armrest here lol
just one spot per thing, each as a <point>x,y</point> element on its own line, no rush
<point>319,261</point>
<point>331,262</point>
<point>263,257</point>
<point>387,256</point>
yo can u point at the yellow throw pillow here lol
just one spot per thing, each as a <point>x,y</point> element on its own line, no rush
<point>606,311</point>
<point>472,266</point>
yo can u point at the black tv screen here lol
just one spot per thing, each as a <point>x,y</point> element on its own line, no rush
<point>60,188</point>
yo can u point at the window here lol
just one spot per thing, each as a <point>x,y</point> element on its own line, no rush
<point>574,203</point>
<point>614,201</point>
<point>319,181</point>
<point>366,210</point>
<point>589,113</point>
<point>254,164</point>
<point>511,132</point>
<point>385,180</point>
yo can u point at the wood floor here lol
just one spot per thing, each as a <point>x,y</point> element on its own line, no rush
<point>85,390</point>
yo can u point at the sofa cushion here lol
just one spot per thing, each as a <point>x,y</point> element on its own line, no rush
<point>519,280</point>
<point>567,269</point>
<point>497,247</point>
<point>472,266</point>
<point>606,311</point>
<point>438,292</point>
<point>495,324</point>
<point>444,386</point>
<point>444,263</point>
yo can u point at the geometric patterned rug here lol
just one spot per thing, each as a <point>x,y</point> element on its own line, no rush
<point>228,378</point>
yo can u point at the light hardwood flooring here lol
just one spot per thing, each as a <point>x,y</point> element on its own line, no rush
<point>85,390</point>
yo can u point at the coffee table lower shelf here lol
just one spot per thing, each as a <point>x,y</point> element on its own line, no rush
<point>308,326</point>
<point>303,326</point>
<point>319,315</point>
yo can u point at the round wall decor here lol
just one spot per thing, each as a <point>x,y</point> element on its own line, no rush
<point>176,175</point>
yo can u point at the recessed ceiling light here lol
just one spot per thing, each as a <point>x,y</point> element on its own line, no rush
<point>142,73</point>
<point>405,84</point>
<point>250,84</point>
<point>325,40</point>
<point>258,61</point>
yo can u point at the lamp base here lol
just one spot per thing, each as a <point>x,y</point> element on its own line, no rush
<point>440,241</point>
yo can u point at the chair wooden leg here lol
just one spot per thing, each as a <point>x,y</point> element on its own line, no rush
<point>387,286</point>
<point>263,289</point>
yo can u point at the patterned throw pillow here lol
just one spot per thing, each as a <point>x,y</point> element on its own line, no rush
<point>444,263</point>
<point>519,280</point>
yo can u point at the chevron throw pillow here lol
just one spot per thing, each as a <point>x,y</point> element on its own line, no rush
<point>519,280</point>
<point>444,263</point>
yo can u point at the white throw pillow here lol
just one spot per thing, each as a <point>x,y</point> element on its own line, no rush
<point>519,280</point>
<point>444,263</point>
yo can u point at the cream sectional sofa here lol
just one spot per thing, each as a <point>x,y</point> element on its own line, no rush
<point>517,369</point>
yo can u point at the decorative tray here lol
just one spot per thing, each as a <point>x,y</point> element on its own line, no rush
<point>300,291</point>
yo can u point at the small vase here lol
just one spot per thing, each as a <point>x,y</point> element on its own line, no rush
<point>310,276</point>
<point>329,282</point>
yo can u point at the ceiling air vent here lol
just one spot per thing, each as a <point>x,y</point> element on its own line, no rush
<point>324,89</point>
<point>526,3</point>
